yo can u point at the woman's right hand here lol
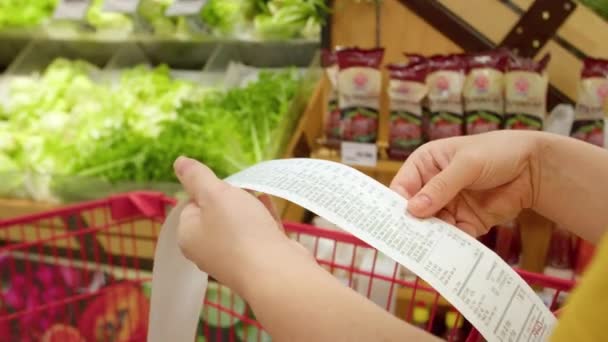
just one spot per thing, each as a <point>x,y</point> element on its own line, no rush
<point>473,182</point>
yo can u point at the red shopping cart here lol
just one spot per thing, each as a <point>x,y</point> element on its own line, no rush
<point>82,273</point>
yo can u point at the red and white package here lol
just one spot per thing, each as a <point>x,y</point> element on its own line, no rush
<point>591,103</point>
<point>483,91</point>
<point>332,115</point>
<point>526,85</point>
<point>359,86</point>
<point>445,82</point>
<point>406,90</point>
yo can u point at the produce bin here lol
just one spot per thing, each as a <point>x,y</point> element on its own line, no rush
<point>83,272</point>
<point>70,188</point>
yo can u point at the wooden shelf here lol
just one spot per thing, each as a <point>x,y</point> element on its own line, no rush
<point>18,207</point>
<point>383,166</point>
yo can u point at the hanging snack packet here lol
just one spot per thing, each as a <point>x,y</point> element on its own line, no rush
<point>483,92</point>
<point>406,90</point>
<point>359,85</point>
<point>592,100</point>
<point>332,117</point>
<point>526,93</point>
<point>445,82</point>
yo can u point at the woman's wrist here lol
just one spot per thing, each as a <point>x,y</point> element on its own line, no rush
<point>270,262</point>
<point>540,144</point>
<point>568,184</point>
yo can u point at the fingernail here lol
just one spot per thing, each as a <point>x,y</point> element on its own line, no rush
<point>182,164</point>
<point>419,202</point>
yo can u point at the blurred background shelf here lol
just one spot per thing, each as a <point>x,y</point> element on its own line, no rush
<point>183,54</point>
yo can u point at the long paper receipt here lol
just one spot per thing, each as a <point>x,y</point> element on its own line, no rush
<point>470,276</point>
<point>486,290</point>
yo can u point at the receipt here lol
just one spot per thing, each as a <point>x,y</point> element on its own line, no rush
<point>487,291</point>
<point>178,288</point>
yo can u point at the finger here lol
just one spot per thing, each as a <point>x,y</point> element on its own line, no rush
<point>189,223</point>
<point>468,228</point>
<point>441,189</point>
<point>198,180</point>
<point>267,201</point>
<point>407,180</point>
<point>446,216</point>
<point>401,191</point>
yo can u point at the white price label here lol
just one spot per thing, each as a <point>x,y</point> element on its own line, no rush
<point>121,6</point>
<point>185,7</point>
<point>72,9</point>
<point>362,154</point>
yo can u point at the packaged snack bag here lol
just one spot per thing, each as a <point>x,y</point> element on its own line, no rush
<point>406,90</point>
<point>445,82</point>
<point>414,58</point>
<point>526,93</point>
<point>483,91</point>
<point>332,116</point>
<point>592,100</point>
<point>359,85</point>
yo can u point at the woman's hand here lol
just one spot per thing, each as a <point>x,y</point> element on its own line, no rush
<point>474,182</point>
<point>228,232</point>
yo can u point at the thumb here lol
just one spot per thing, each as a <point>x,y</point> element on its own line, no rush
<point>198,180</point>
<point>441,189</point>
<point>188,229</point>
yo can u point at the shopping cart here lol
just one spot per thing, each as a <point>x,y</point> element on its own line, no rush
<point>82,273</point>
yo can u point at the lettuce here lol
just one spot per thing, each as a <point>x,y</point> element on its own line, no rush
<point>101,20</point>
<point>227,130</point>
<point>285,19</point>
<point>153,13</point>
<point>226,17</point>
<point>25,13</point>
<point>62,131</point>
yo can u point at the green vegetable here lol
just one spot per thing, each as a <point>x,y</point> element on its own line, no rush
<point>225,17</point>
<point>66,132</point>
<point>153,13</point>
<point>285,19</point>
<point>11,174</point>
<point>25,13</point>
<point>227,130</point>
<point>107,20</point>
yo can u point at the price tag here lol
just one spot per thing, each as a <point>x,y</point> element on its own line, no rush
<point>362,154</point>
<point>72,9</point>
<point>185,7</point>
<point>121,6</point>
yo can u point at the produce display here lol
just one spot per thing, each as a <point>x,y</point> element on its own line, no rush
<point>242,19</point>
<point>63,126</point>
<point>101,20</point>
<point>25,14</point>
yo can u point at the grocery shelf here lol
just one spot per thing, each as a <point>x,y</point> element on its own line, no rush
<point>383,165</point>
<point>184,53</point>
